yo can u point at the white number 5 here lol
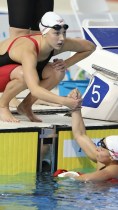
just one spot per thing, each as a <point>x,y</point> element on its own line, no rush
<point>95,92</point>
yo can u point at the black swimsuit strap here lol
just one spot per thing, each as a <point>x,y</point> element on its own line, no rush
<point>103,167</point>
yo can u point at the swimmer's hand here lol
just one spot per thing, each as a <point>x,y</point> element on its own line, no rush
<point>59,65</point>
<point>75,94</point>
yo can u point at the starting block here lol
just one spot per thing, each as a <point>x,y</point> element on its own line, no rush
<point>100,100</point>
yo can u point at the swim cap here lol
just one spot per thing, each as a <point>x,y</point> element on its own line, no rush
<point>50,19</point>
<point>112,144</point>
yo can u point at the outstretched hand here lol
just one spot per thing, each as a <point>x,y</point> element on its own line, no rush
<point>75,94</point>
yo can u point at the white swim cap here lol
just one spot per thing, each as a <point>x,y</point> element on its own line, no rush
<point>112,144</point>
<point>50,19</point>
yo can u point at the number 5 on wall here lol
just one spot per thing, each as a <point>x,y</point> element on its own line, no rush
<point>95,93</point>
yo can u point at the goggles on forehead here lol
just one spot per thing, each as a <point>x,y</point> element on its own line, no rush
<point>57,27</point>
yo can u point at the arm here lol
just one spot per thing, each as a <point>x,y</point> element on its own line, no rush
<point>79,130</point>
<point>81,47</point>
<point>82,139</point>
<point>109,172</point>
<point>29,61</point>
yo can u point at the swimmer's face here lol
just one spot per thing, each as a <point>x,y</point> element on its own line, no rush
<point>103,152</point>
<point>103,155</point>
<point>56,38</point>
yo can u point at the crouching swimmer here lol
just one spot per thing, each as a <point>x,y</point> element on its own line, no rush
<point>106,155</point>
<point>23,64</point>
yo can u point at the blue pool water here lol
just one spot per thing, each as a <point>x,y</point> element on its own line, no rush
<point>26,192</point>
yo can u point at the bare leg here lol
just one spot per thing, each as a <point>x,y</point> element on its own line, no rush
<point>12,89</point>
<point>16,32</point>
<point>14,103</point>
<point>50,79</point>
<point>25,108</point>
<point>5,114</point>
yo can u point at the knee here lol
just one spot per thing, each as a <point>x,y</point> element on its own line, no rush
<point>21,79</point>
<point>20,76</point>
<point>17,74</point>
<point>59,76</point>
<point>52,75</point>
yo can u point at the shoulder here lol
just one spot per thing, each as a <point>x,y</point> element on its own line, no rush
<point>105,174</point>
<point>112,171</point>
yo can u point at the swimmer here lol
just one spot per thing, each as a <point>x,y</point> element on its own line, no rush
<point>106,155</point>
<point>24,18</point>
<point>19,71</point>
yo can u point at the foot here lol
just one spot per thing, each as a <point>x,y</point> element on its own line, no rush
<point>6,115</point>
<point>28,112</point>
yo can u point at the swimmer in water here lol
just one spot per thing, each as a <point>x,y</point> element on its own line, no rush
<point>106,155</point>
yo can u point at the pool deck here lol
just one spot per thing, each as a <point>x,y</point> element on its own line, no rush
<point>51,116</point>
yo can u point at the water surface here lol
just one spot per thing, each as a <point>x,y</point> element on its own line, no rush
<point>28,192</point>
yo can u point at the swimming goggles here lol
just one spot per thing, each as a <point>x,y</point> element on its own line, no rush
<point>103,145</point>
<point>57,27</point>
